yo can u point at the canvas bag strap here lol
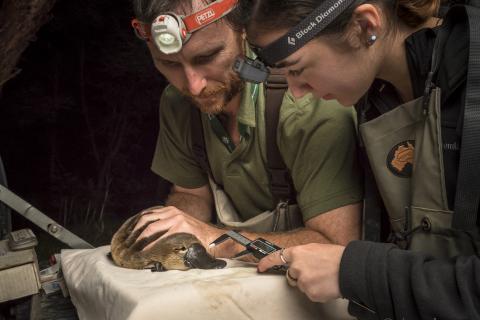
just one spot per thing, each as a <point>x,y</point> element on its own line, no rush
<point>468,182</point>
<point>281,184</point>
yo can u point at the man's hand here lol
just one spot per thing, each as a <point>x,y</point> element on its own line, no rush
<point>172,220</point>
<point>315,267</point>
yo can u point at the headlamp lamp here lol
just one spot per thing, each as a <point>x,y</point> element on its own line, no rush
<point>170,31</point>
<point>294,39</point>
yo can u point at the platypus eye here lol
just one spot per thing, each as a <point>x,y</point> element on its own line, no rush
<point>180,249</point>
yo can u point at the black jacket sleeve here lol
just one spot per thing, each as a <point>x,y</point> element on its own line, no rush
<point>384,282</point>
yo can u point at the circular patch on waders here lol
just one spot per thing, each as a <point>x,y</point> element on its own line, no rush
<point>400,159</point>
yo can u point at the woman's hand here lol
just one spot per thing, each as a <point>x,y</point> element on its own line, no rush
<point>314,266</point>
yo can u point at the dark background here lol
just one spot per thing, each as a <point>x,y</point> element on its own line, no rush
<point>78,124</point>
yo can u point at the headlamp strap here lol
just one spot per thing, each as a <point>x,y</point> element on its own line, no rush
<point>303,32</point>
<point>209,14</point>
<point>193,22</point>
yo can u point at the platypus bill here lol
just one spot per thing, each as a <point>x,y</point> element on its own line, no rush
<point>179,251</point>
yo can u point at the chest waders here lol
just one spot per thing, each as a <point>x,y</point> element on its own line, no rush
<point>286,215</point>
<point>404,147</point>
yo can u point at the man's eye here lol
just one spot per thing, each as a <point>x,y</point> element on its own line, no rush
<point>295,73</point>
<point>169,64</point>
<point>206,59</point>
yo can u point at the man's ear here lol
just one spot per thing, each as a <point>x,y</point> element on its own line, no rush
<point>366,22</point>
<point>243,41</point>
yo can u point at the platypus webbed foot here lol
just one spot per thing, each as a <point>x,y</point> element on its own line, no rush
<point>198,257</point>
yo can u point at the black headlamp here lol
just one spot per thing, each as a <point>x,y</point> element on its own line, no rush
<point>251,70</point>
<point>257,71</point>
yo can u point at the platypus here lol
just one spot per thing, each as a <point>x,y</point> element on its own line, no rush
<point>179,251</point>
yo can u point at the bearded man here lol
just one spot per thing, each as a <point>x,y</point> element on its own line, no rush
<point>194,44</point>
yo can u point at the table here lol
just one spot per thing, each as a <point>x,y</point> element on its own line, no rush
<point>101,290</point>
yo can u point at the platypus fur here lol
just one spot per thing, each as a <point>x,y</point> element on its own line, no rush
<point>179,251</point>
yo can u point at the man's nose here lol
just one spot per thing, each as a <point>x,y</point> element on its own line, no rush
<point>298,88</point>
<point>196,82</point>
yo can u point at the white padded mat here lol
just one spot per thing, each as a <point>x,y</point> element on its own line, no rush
<point>101,290</point>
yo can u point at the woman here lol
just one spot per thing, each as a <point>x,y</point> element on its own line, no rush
<point>406,72</point>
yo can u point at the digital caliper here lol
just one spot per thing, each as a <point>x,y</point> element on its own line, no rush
<point>259,248</point>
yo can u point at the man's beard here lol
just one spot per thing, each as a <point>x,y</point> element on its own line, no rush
<point>214,99</point>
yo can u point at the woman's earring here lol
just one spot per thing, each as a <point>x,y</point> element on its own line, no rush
<point>371,40</point>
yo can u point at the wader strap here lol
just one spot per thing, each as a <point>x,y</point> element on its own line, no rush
<point>199,149</point>
<point>281,184</point>
<point>372,208</point>
<point>372,205</point>
<point>468,183</point>
<point>198,142</point>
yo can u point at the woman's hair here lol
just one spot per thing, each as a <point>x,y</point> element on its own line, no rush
<point>148,10</point>
<point>271,15</point>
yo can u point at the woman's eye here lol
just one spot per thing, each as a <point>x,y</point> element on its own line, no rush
<point>295,73</point>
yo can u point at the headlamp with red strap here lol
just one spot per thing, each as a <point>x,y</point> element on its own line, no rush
<point>170,31</point>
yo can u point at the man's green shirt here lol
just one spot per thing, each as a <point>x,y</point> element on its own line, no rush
<point>316,138</point>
